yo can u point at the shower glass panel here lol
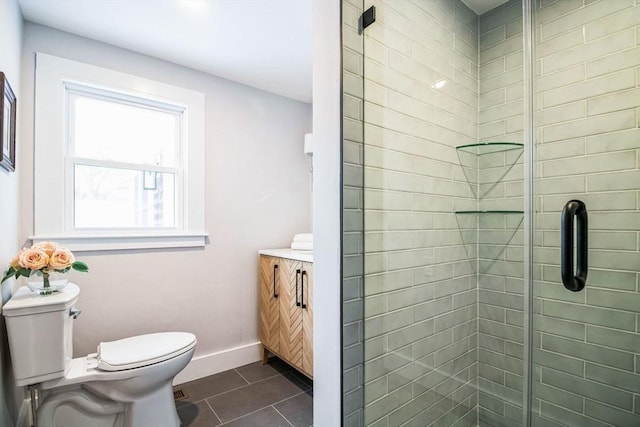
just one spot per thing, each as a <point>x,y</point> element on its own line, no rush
<point>443,214</point>
<point>466,137</point>
<point>586,359</point>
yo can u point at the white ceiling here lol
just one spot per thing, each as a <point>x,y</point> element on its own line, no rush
<point>266,44</point>
<point>483,6</point>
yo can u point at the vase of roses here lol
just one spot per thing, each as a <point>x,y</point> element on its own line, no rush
<point>45,266</point>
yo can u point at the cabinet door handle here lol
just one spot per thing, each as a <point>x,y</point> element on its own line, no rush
<point>297,274</point>
<point>304,273</point>
<point>275,274</point>
<point>574,210</point>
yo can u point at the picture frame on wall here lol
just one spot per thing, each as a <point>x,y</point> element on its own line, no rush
<point>7,124</point>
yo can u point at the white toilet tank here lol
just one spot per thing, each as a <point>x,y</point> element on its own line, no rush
<point>40,332</point>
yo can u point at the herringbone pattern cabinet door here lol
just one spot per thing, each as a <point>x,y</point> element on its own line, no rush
<point>290,313</point>
<point>286,311</point>
<point>307,320</point>
<point>270,286</point>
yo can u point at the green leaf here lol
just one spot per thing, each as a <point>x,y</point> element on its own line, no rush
<point>10,272</point>
<point>80,266</point>
<point>23,272</point>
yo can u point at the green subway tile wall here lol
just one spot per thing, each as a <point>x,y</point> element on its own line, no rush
<point>586,345</point>
<point>420,327</point>
<point>353,216</point>
<point>500,236</point>
<point>433,301</point>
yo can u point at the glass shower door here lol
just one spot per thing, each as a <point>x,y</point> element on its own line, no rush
<point>586,343</point>
<point>442,202</point>
<point>420,310</point>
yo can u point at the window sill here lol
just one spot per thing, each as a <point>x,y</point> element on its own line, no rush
<point>112,242</point>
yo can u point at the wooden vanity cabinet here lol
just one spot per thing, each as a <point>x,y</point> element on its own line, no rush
<point>286,311</point>
<point>269,302</point>
<point>307,320</point>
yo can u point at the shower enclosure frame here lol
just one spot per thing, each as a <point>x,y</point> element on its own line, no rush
<point>529,152</point>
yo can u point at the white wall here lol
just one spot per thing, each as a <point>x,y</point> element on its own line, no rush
<point>257,196</point>
<point>327,166</point>
<point>10,46</point>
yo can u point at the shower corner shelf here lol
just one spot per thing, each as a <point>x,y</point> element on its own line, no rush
<point>489,147</point>
<point>505,212</point>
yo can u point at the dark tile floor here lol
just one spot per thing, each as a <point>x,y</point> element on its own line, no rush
<point>271,395</point>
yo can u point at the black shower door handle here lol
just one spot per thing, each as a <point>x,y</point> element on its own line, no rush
<point>574,210</point>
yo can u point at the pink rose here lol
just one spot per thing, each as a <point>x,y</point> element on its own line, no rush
<point>47,247</point>
<point>33,259</point>
<point>15,261</point>
<point>61,259</point>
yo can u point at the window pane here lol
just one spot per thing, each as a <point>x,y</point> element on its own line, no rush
<point>123,198</point>
<point>112,130</point>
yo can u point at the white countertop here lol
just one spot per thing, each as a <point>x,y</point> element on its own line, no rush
<point>305,256</point>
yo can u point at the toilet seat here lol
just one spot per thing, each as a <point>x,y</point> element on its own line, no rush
<point>143,350</point>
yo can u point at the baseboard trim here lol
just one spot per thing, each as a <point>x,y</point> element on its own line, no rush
<point>209,364</point>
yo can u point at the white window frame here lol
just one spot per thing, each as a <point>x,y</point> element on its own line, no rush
<point>74,89</point>
<point>53,174</point>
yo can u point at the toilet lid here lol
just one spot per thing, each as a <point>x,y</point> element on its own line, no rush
<point>143,350</point>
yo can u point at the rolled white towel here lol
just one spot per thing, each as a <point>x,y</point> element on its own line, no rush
<point>302,246</point>
<point>303,237</point>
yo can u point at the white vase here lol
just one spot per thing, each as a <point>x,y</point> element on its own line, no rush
<point>56,282</point>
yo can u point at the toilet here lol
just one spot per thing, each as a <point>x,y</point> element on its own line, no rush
<point>126,383</point>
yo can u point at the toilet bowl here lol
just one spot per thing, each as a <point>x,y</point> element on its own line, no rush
<point>126,383</point>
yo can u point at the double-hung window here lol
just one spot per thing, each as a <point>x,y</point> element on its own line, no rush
<point>118,159</point>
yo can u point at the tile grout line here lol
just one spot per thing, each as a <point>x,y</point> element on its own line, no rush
<point>238,388</point>
<point>244,415</point>
<point>221,393</point>
<point>259,409</point>
<point>266,378</point>
<point>282,415</point>
<point>241,376</point>
<point>265,407</point>
<point>214,412</point>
